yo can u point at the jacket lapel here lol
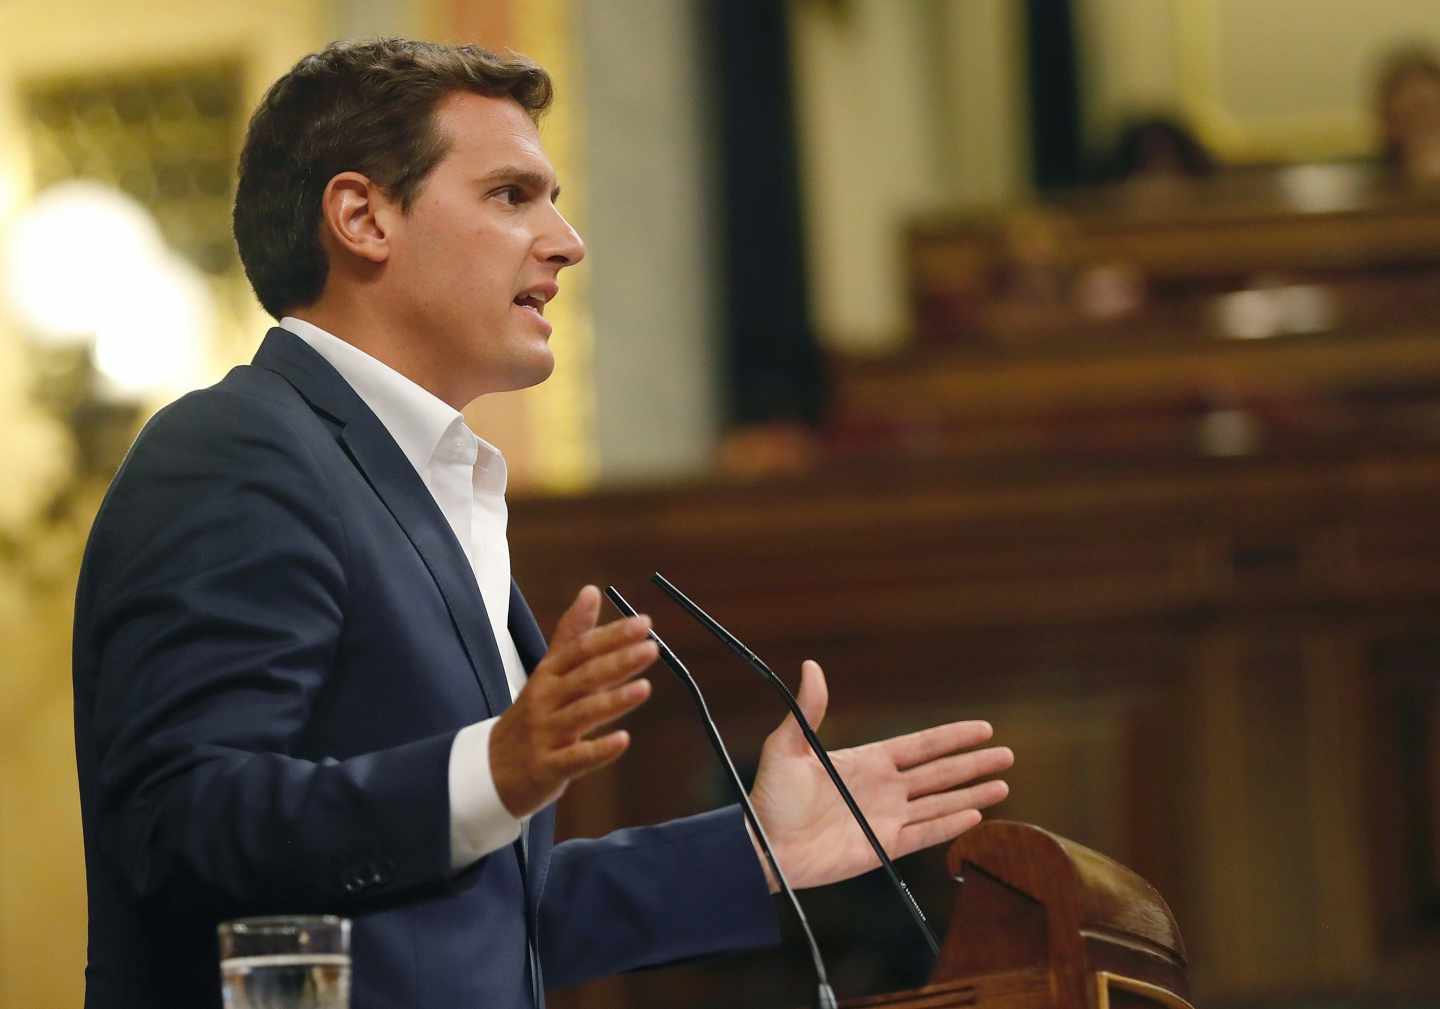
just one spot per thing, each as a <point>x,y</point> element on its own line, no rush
<point>524,631</point>
<point>398,485</point>
<point>535,853</point>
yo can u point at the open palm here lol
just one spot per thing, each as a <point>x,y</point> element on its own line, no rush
<point>916,790</point>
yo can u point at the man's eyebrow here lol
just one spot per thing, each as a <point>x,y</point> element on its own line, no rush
<point>527,178</point>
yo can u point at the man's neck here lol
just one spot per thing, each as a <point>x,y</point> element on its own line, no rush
<point>377,338</point>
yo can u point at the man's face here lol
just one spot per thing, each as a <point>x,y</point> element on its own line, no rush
<point>475,259</point>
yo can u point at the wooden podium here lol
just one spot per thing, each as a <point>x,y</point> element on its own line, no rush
<point>1044,923</point>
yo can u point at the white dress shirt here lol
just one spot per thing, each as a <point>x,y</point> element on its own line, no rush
<point>466,477</point>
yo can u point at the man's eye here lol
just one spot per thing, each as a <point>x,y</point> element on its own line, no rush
<point>512,195</point>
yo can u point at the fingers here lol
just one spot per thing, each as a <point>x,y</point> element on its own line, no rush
<point>537,747</point>
<point>579,618</point>
<point>943,804</point>
<point>961,768</point>
<point>588,755</point>
<point>563,659</point>
<point>600,673</point>
<point>923,835</point>
<point>539,744</point>
<point>813,698</point>
<point>594,710</point>
<point>928,744</point>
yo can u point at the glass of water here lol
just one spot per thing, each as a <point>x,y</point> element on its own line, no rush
<point>300,962</point>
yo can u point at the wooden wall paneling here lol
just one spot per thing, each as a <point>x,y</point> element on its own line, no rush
<point>1071,704</point>
<point>1160,773</point>
<point>958,385</point>
<point>1198,665</point>
<point>1224,954</point>
<point>1338,726</point>
<point>1022,280</point>
<point>1282,882</point>
<point>1274,796</point>
<point>1404,797</point>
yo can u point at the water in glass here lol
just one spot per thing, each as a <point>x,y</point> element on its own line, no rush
<point>286,981</point>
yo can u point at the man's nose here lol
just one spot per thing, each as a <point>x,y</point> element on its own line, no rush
<point>562,244</point>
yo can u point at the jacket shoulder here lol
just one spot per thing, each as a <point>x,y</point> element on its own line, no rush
<point>239,459</point>
<point>251,416</point>
<point>246,396</point>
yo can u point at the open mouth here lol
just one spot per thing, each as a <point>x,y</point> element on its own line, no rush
<point>533,302</point>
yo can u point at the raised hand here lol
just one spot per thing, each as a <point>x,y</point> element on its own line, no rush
<point>541,743</point>
<point>916,790</point>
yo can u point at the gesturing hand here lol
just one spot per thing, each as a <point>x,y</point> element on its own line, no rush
<point>539,745</point>
<point>916,790</point>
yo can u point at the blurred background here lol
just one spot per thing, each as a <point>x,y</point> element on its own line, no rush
<point>1073,364</point>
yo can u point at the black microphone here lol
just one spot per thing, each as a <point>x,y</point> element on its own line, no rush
<point>735,645</point>
<point>824,994</point>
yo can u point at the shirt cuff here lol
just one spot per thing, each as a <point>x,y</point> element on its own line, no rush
<point>479,821</point>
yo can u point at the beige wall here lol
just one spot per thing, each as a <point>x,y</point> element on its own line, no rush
<point>1292,78</point>
<point>1130,60</point>
<point>39,39</point>
<point>651,229</point>
<point>1270,80</point>
<point>42,878</point>
<point>903,108</point>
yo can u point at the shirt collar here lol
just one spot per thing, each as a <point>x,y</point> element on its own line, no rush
<point>418,420</point>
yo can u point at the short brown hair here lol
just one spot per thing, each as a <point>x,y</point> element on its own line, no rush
<point>366,107</point>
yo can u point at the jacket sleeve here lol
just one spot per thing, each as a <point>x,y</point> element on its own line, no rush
<point>208,620</point>
<point>653,895</point>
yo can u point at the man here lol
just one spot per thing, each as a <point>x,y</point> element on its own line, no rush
<point>304,679</point>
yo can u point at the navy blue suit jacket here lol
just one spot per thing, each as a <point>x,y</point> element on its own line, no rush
<point>277,637</point>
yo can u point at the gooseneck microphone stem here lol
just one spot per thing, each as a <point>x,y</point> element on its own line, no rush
<point>738,647</point>
<point>824,994</point>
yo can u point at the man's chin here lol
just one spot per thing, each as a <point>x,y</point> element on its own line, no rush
<point>528,374</point>
<point>537,371</point>
<point>524,373</point>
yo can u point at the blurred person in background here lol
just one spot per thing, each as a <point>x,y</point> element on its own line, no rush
<point>1408,108</point>
<point>1153,154</point>
<point>305,681</point>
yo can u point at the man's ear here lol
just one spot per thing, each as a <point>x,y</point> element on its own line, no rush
<point>354,213</point>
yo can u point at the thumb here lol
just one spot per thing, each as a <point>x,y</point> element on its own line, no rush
<point>814,695</point>
<point>579,618</point>
<point>813,698</point>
